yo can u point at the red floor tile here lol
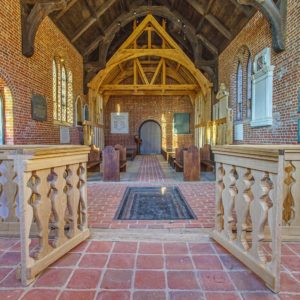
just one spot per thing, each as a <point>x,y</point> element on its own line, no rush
<point>117,279</point>
<point>53,278</point>
<point>38,294</point>
<point>207,262</point>
<point>84,279</point>
<point>100,247</point>
<point>10,294</point>
<point>77,295</point>
<point>108,295</point>
<point>93,261</point>
<point>290,296</point>
<point>81,247</point>
<point>246,281</point>
<point>175,248</point>
<point>121,261</point>
<point>259,296</point>
<point>215,281</point>
<point>201,248</point>
<point>125,247</point>
<point>231,263</point>
<point>182,280</point>
<point>5,244</point>
<point>150,248</point>
<point>179,262</point>
<point>150,262</point>
<point>291,262</point>
<point>149,280</point>
<point>222,296</point>
<point>288,283</point>
<point>10,259</point>
<point>4,272</point>
<point>149,295</point>
<point>11,281</point>
<point>186,295</point>
<point>68,260</point>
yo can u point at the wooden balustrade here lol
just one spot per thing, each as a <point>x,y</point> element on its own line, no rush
<point>255,194</point>
<point>45,187</point>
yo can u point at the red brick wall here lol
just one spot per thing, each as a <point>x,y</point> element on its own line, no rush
<point>25,76</point>
<point>142,108</point>
<point>256,36</point>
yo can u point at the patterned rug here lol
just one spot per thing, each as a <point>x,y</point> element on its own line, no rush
<point>154,203</point>
<point>150,169</point>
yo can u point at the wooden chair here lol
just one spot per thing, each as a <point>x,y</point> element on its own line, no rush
<point>94,158</point>
<point>191,164</point>
<point>179,159</point>
<point>206,156</point>
<point>111,164</point>
<point>123,157</point>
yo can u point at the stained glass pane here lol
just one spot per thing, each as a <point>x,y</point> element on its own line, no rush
<point>70,98</point>
<point>58,92</point>
<point>239,92</point>
<point>63,94</point>
<point>54,78</point>
<point>249,87</point>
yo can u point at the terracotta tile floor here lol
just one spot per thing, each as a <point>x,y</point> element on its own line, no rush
<point>147,270</point>
<point>104,199</point>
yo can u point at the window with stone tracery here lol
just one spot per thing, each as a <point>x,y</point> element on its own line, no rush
<point>239,93</point>
<point>249,87</point>
<point>62,93</point>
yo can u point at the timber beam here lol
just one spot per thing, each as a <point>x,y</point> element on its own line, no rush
<point>32,15</point>
<point>276,16</point>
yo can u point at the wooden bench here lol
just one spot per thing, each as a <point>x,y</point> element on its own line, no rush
<point>191,164</point>
<point>179,159</point>
<point>111,164</point>
<point>122,157</point>
<point>131,152</point>
<point>171,160</point>
<point>207,163</point>
<point>94,159</point>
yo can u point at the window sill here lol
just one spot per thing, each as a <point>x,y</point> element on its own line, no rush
<point>62,123</point>
<point>262,122</point>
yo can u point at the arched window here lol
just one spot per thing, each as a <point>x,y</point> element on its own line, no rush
<point>86,112</point>
<point>70,98</point>
<point>62,93</point>
<point>249,87</point>
<point>1,120</point>
<point>239,93</point>
<point>55,97</point>
<point>78,112</point>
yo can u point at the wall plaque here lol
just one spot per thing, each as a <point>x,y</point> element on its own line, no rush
<point>181,123</point>
<point>65,135</point>
<point>119,123</point>
<point>38,108</point>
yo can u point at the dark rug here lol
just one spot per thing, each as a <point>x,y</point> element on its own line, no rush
<point>154,203</point>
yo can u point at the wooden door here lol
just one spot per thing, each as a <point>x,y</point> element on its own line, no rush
<point>150,133</point>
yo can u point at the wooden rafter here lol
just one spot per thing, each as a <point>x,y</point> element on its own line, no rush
<point>32,16</point>
<point>108,81</point>
<point>276,16</point>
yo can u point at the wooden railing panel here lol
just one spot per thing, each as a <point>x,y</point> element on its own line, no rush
<point>249,199</point>
<point>52,195</point>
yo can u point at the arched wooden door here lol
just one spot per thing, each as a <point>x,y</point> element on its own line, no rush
<point>150,133</point>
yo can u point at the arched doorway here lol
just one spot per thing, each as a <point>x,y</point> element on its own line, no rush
<point>150,133</point>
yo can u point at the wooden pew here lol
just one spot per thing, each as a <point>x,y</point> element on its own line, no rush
<point>111,164</point>
<point>179,159</point>
<point>206,156</point>
<point>191,164</point>
<point>94,159</point>
<point>122,156</point>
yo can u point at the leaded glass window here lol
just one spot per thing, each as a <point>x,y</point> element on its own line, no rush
<point>249,87</point>
<point>239,92</point>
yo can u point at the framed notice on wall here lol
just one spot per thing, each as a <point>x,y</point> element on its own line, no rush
<point>119,123</point>
<point>181,123</point>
